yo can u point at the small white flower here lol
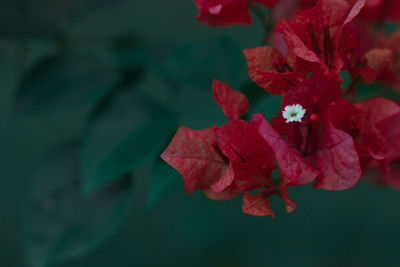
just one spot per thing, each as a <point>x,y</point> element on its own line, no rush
<point>293,113</point>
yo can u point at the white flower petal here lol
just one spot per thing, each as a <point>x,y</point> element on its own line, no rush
<point>293,113</point>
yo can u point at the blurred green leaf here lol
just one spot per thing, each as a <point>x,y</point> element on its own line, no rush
<point>22,18</point>
<point>25,18</point>
<point>127,132</point>
<point>197,108</point>
<point>61,224</point>
<point>66,82</point>
<point>199,63</point>
<point>131,58</point>
<point>164,179</point>
<point>367,91</point>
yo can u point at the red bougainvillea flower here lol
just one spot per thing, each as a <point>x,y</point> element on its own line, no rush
<point>372,126</point>
<point>314,35</point>
<point>375,62</point>
<point>312,148</point>
<point>227,12</point>
<point>364,67</point>
<point>372,140</point>
<point>269,70</point>
<point>222,161</point>
<point>391,75</point>
<point>377,138</point>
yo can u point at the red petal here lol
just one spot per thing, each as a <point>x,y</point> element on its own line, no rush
<point>225,181</point>
<point>289,159</point>
<point>223,13</point>
<point>377,109</point>
<point>290,205</point>
<point>258,205</point>
<point>251,157</point>
<point>344,115</point>
<point>338,161</point>
<point>293,41</point>
<point>233,103</point>
<point>224,195</point>
<point>264,74</point>
<point>379,59</point>
<point>375,127</point>
<point>355,10</point>
<point>376,10</point>
<point>191,154</point>
<point>278,83</point>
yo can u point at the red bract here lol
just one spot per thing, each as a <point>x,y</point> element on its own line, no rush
<point>191,154</point>
<point>381,10</point>
<point>251,159</point>
<point>269,70</point>
<point>227,12</point>
<point>378,134</point>
<point>374,63</point>
<point>260,204</point>
<point>372,124</point>
<point>363,62</point>
<point>391,76</point>
<point>379,142</point>
<point>313,141</point>
<point>337,159</point>
<point>289,158</point>
<point>257,205</point>
<point>233,103</point>
<point>314,34</point>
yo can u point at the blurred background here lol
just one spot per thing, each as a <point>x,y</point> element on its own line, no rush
<point>92,91</point>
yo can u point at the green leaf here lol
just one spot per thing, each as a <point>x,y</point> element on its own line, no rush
<point>199,63</point>
<point>126,133</point>
<point>164,179</point>
<point>66,82</point>
<point>26,19</point>
<point>60,224</point>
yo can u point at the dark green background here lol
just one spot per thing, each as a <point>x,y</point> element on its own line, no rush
<point>357,227</point>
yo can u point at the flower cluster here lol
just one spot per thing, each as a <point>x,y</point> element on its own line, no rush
<point>319,136</point>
